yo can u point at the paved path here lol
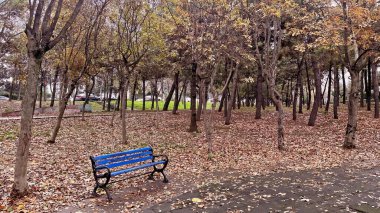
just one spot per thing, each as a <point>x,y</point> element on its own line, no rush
<point>334,190</point>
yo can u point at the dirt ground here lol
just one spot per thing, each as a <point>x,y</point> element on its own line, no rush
<point>60,175</point>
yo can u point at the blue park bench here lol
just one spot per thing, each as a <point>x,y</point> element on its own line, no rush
<point>108,166</point>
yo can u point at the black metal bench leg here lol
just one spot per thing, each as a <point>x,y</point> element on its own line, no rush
<point>108,194</point>
<point>150,177</point>
<point>165,179</point>
<point>94,192</point>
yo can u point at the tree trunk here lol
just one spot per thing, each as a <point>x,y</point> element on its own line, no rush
<point>276,99</point>
<point>232,98</point>
<point>298,84</point>
<point>200,102</point>
<point>143,93</point>
<point>124,111</point>
<point>344,86</point>
<point>317,97</point>
<point>41,87</point>
<point>184,95</point>
<point>222,100</point>
<point>110,94</point>
<point>259,94</point>
<point>88,94</point>
<point>193,123</point>
<point>75,95</point>
<point>170,95</point>
<point>308,104</point>
<point>54,91</point>
<point>302,96</point>
<point>354,96</point>
<point>324,92</point>
<point>369,85</point>
<point>134,95</point>
<point>329,90</point>
<point>20,185</point>
<point>105,92</point>
<point>375,85</point>
<point>362,78</point>
<point>62,107</point>
<point>336,91</point>
<point>176,95</point>
<point>225,105</point>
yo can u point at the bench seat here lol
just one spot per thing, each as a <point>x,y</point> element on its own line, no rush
<point>111,165</point>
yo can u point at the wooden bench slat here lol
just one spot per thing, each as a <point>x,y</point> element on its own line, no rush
<point>100,157</point>
<point>104,162</point>
<point>123,163</point>
<point>136,168</point>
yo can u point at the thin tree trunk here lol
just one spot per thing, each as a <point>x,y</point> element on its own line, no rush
<point>134,95</point>
<point>232,98</point>
<point>105,92</point>
<point>324,92</point>
<point>298,85</point>
<point>110,94</point>
<point>317,97</point>
<point>143,93</point>
<point>259,94</point>
<point>62,107</point>
<point>362,83</point>
<point>336,91</point>
<point>369,85</point>
<point>41,87</point>
<point>308,104</point>
<point>170,95</point>
<point>53,93</point>
<point>75,95</point>
<point>375,85</point>
<point>176,95</point>
<point>88,94</point>
<point>184,95</point>
<point>124,112</point>
<point>200,102</point>
<point>302,96</point>
<point>344,86</point>
<point>12,86</point>
<point>222,101</point>
<point>225,105</point>
<point>329,90</point>
<point>193,123</point>
<point>20,185</point>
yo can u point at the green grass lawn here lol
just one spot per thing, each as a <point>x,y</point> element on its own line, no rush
<point>138,105</point>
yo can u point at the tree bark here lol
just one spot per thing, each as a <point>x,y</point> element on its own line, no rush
<point>329,90</point>
<point>88,94</point>
<point>124,112</point>
<point>193,123</point>
<point>20,185</point>
<point>110,93</point>
<point>200,102</point>
<point>176,95</point>
<point>232,98</point>
<point>134,95</point>
<point>369,85</point>
<point>259,94</point>
<point>298,84</point>
<point>336,91</point>
<point>317,97</point>
<point>362,84</point>
<point>308,104</point>
<point>302,96</point>
<point>143,93</point>
<point>354,96</point>
<point>41,87</point>
<point>62,107</point>
<point>170,95</point>
<point>375,85</point>
<point>344,86</point>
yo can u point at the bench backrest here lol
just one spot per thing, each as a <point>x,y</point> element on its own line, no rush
<point>123,158</point>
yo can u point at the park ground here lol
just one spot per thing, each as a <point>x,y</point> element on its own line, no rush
<point>60,175</point>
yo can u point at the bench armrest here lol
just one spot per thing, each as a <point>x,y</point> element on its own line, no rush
<point>108,173</point>
<point>159,156</point>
